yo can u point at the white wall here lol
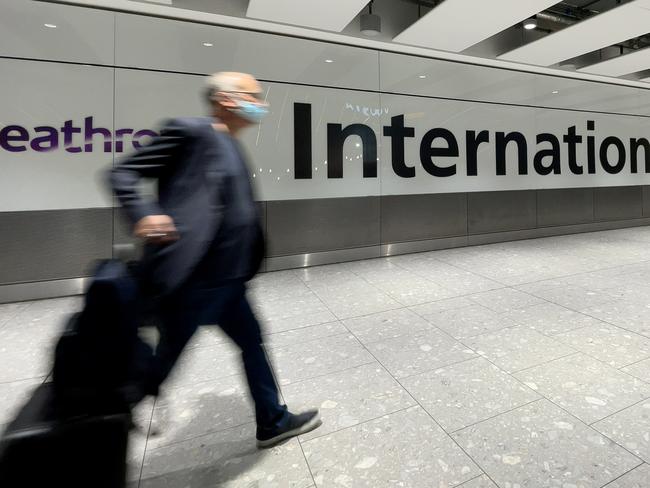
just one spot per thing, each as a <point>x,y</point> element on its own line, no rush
<point>130,71</point>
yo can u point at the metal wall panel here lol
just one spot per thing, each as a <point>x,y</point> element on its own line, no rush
<point>53,244</point>
<point>501,211</point>
<point>565,206</point>
<point>422,217</point>
<point>616,203</point>
<point>646,201</point>
<point>305,226</point>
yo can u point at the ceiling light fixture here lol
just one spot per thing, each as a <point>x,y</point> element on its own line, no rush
<point>50,26</point>
<point>422,76</point>
<point>329,60</point>
<point>370,23</point>
<point>555,92</point>
<point>208,44</point>
<point>530,24</point>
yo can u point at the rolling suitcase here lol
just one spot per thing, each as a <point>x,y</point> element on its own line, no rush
<point>73,431</point>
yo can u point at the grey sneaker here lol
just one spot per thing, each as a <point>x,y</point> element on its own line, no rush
<point>291,426</point>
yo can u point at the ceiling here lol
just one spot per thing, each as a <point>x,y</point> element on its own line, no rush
<point>602,37</point>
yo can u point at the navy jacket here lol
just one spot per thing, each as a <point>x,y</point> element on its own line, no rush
<point>204,186</point>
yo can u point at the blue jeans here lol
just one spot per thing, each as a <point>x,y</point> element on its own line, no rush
<point>227,306</point>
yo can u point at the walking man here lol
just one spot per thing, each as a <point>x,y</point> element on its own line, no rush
<point>203,241</point>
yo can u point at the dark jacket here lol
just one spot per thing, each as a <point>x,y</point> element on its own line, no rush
<point>204,186</point>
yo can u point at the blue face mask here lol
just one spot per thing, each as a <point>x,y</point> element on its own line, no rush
<point>252,112</point>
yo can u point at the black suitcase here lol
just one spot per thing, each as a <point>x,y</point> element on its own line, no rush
<point>73,432</point>
<point>39,449</point>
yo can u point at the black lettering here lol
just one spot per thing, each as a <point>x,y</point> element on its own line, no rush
<point>571,139</point>
<point>397,132</point>
<point>427,153</point>
<point>472,142</point>
<point>635,144</point>
<point>336,137</point>
<point>302,141</point>
<point>612,169</point>
<point>502,142</point>
<point>591,149</point>
<point>553,153</point>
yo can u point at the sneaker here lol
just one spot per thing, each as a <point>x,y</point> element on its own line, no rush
<point>292,425</point>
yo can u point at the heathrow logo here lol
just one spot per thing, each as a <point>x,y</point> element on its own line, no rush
<point>71,138</point>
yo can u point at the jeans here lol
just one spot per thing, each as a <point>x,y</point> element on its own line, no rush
<point>227,306</point>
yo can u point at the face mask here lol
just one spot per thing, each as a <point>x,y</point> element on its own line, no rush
<point>252,112</point>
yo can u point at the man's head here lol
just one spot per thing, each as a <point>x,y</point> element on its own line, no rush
<point>235,98</point>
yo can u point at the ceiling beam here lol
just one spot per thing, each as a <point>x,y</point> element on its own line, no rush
<point>330,15</point>
<point>455,25</point>
<point>611,27</point>
<point>621,65</point>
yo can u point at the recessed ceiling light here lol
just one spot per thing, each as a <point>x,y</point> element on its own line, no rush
<point>329,60</point>
<point>50,26</point>
<point>423,76</point>
<point>530,24</point>
<point>555,92</point>
<point>208,44</point>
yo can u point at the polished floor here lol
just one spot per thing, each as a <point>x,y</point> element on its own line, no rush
<point>515,365</point>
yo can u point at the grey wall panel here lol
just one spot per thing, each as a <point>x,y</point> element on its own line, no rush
<point>616,203</point>
<point>305,226</point>
<point>646,201</point>
<point>501,211</point>
<point>565,206</point>
<point>422,217</point>
<point>53,244</point>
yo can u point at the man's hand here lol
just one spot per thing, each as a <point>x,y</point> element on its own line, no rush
<point>156,229</point>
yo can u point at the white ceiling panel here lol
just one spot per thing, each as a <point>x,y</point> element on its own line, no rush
<point>625,22</point>
<point>332,15</point>
<point>647,80</point>
<point>455,25</point>
<point>621,65</point>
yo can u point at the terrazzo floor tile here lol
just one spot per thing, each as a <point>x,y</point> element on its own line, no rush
<point>227,459</point>
<point>480,482</point>
<point>413,290</point>
<point>304,334</point>
<point>13,396</point>
<point>637,478</point>
<point>348,397</point>
<point>9,310</point>
<point>630,428</point>
<point>585,387</point>
<point>191,411</point>
<point>281,324</point>
<point>466,322</point>
<point>570,296</point>
<point>204,364</point>
<point>386,325</point>
<point>356,305</point>
<point>540,445</point>
<point>551,319</point>
<point>505,300</point>
<point>438,306</point>
<point>610,344</point>
<point>316,358</point>
<point>420,352</point>
<point>402,449</point>
<point>640,370</point>
<point>466,393</point>
<point>517,348</point>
